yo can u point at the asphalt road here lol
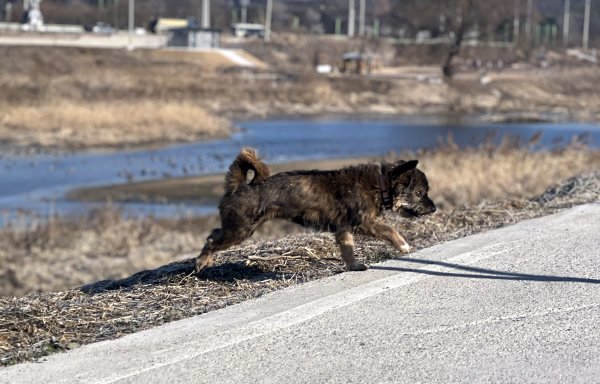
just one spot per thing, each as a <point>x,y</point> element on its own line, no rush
<point>518,304</point>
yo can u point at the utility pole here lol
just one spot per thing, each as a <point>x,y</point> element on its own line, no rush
<point>7,12</point>
<point>116,21</point>
<point>244,4</point>
<point>442,26</point>
<point>361,18</point>
<point>268,20</point>
<point>443,11</point>
<point>351,18</point>
<point>528,22</point>
<point>131,24</point>
<point>517,21</point>
<point>586,25</point>
<point>205,14</point>
<point>566,22</point>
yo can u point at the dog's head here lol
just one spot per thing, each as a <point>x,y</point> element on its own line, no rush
<point>408,188</point>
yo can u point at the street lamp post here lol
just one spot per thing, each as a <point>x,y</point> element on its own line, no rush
<point>586,25</point>
<point>206,14</point>
<point>516,21</point>
<point>529,20</point>
<point>131,23</point>
<point>361,18</point>
<point>351,18</point>
<point>244,4</point>
<point>268,20</point>
<point>566,22</point>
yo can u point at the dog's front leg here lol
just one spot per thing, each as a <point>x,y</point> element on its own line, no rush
<point>383,231</point>
<point>205,259</point>
<point>345,241</point>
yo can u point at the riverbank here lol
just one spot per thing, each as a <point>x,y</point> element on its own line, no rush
<point>75,98</point>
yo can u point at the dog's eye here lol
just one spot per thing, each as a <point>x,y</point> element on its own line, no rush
<point>419,193</point>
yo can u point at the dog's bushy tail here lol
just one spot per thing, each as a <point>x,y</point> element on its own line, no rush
<point>246,160</point>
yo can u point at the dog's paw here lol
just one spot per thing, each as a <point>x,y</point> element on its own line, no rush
<point>357,267</point>
<point>406,248</point>
<point>203,263</point>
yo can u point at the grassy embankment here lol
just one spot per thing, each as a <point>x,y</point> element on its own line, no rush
<point>65,253</point>
<point>61,98</point>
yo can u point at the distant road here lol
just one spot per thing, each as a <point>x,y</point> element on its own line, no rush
<point>87,40</point>
<point>519,304</point>
<point>235,57</point>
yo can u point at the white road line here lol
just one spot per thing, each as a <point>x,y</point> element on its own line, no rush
<point>496,320</point>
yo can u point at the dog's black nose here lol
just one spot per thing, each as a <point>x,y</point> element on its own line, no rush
<point>433,209</point>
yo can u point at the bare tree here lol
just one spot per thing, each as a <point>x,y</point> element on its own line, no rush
<point>464,11</point>
<point>480,16</point>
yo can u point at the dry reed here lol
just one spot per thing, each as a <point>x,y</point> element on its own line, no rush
<point>75,124</point>
<point>461,176</point>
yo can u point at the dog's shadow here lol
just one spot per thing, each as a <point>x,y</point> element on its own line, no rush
<point>232,271</point>
<point>479,273</point>
<point>226,272</point>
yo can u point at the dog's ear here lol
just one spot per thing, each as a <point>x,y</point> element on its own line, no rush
<point>404,166</point>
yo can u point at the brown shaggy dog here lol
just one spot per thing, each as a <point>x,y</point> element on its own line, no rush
<point>344,201</point>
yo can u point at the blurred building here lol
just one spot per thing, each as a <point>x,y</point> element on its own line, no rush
<point>248,30</point>
<point>193,37</point>
<point>360,63</point>
<point>164,24</point>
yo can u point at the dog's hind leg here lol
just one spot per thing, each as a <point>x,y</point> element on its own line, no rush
<point>345,241</point>
<point>383,231</point>
<point>220,239</point>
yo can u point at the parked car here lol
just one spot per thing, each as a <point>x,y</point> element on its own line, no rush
<point>101,28</point>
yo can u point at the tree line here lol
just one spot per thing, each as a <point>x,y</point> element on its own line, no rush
<point>491,19</point>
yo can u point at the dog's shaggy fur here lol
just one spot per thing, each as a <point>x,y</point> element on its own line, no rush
<point>344,202</point>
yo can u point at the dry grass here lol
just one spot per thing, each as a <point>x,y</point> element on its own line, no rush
<point>69,252</point>
<point>467,176</point>
<point>40,324</point>
<point>108,124</point>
